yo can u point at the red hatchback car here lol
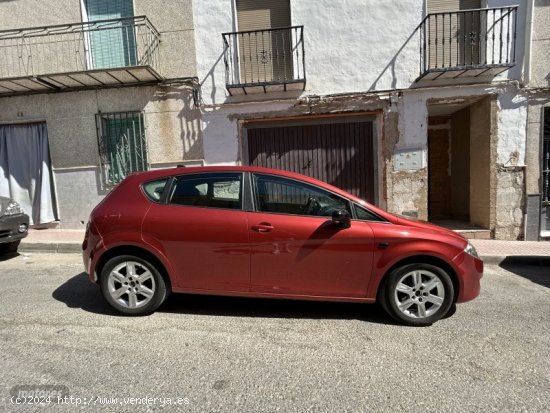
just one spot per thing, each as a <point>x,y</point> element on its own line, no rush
<point>259,232</point>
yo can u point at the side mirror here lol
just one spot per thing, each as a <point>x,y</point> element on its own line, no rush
<point>341,217</point>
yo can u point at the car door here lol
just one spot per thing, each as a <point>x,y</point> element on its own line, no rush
<point>204,231</point>
<point>297,249</point>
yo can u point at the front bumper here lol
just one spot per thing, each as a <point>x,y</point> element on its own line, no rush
<point>10,226</point>
<point>470,272</point>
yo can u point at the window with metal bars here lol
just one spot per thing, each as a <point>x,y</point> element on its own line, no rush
<point>122,144</point>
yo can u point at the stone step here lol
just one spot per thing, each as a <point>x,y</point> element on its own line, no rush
<point>474,233</point>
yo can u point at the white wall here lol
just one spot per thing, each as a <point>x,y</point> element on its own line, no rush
<point>350,45</point>
<point>511,127</point>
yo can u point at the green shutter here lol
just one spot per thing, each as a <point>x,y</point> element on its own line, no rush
<point>122,145</point>
<point>113,45</point>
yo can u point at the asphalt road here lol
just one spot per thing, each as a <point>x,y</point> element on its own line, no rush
<point>229,355</point>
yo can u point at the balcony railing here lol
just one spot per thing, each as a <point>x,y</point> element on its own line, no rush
<point>264,60</point>
<point>79,55</point>
<point>468,43</point>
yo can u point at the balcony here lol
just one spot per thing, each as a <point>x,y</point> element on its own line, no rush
<point>264,60</point>
<point>468,43</point>
<point>85,55</point>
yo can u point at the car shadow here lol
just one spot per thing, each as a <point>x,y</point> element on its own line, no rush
<point>533,268</point>
<point>79,293</point>
<point>8,256</point>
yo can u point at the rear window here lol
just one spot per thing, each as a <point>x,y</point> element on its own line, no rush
<point>154,189</point>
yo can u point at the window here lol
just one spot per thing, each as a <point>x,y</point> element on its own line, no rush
<point>122,146</point>
<point>265,55</point>
<point>215,190</point>
<point>154,189</point>
<point>365,215</point>
<point>112,44</point>
<point>286,196</point>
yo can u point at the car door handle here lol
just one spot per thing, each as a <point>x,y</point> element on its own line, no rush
<point>263,227</point>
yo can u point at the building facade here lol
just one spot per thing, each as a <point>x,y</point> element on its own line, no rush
<point>419,106</point>
<point>111,84</point>
<point>430,108</point>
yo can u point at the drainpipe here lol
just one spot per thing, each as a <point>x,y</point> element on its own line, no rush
<point>528,41</point>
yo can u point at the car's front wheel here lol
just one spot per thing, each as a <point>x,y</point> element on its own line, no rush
<point>132,285</point>
<point>418,294</point>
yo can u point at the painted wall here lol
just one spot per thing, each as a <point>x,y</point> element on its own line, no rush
<point>540,66</point>
<point>350,45</point>
<point>172,131</point>
<point>174,21</point>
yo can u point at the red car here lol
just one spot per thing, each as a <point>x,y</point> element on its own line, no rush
<point>257,232</point>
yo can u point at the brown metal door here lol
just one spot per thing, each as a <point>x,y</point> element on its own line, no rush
<point>338,153</point>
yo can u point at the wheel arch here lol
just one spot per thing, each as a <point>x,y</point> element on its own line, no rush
<point>422,259</point>
<point>135,251</point>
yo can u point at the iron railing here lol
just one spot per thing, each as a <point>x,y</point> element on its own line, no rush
<point>263,57</point>
<point>468,39</point>
<point>122,145</point>
<point>75,47</point>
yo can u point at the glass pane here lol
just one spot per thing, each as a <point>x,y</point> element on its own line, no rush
<point>208,190</point>
<point>286,196</point>
<point>365,215</point>
<point>154,189</point>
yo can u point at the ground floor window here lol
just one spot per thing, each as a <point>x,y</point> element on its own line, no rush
<point>122,145</point>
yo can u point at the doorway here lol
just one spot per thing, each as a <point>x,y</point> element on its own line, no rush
<point>461,182</point>
<point>25,170</point>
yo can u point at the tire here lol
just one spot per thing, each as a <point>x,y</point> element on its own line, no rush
<point>418,294</point>
<point>9,247</point>
<point>124,287</point>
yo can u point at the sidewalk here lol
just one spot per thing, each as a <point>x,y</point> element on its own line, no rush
<point>492,251</point>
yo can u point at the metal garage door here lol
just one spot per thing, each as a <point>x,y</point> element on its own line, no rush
<point>338,153</point>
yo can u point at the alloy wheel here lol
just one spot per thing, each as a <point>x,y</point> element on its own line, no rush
<point>419,294</point>
<point>131,284</point>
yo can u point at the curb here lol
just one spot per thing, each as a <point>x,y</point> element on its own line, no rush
<point>52,247</point>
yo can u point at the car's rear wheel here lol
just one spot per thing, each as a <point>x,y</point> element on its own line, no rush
<point>132,285</point>
<point>418,294</point>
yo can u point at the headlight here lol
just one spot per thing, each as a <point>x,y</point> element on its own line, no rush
<point>13,208</point>
<point>471,250</point>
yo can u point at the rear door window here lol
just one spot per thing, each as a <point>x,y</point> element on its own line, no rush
<point>210,190</point>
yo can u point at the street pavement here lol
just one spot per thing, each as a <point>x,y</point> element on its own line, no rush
<point>249,355</point>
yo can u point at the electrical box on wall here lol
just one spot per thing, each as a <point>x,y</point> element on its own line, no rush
<point>406,160</point>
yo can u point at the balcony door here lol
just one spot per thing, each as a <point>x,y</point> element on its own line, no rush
<point>265,55</point>
<point>112,44</point>
<point>454,37</point>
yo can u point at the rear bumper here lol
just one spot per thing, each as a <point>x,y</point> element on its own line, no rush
<point>470,272</point>
<point>90,246</point>
<point>9,227</point>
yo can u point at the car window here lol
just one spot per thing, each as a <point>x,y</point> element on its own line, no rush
<point>287,196</point>
<point>212,190</point>
<point>154,189</point>
<point>365,215</point>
